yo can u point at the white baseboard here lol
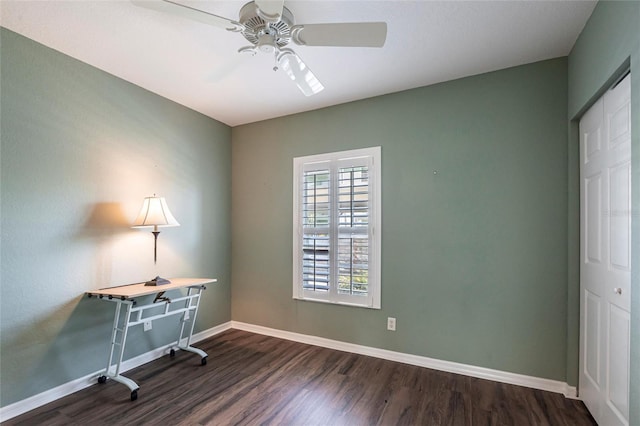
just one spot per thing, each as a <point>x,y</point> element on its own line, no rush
<point>205,334</point>
<point>33,402</point>
<point>68,388</point>
<point>570,392</point>
<point>421,361</point>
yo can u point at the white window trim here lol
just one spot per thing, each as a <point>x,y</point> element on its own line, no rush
<point>373,300</point>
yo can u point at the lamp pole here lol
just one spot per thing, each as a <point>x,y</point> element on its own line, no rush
<point>155,233</point>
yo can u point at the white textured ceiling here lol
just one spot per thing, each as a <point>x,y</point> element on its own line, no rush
<point>198,66</point>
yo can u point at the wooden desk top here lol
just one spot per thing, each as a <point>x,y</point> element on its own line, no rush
<point>139,289</point>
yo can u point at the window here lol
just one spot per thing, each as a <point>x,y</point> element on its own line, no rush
<point>336,227</point>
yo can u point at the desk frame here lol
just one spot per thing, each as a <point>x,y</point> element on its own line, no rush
<point>123,297</point>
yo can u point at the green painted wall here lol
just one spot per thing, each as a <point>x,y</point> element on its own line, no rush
<point>80,149</point>
<point>609,43</point>
<point>474,257</point>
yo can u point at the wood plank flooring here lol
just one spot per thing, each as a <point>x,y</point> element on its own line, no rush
<point>252,379</point>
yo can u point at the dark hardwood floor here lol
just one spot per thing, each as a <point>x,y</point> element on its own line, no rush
<point>254,379</point>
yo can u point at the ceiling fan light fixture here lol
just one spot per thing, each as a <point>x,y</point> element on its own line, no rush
<point>267,43</point>
<point>299,73</point>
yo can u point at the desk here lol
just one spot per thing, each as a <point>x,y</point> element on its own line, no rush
<point>123,297</point>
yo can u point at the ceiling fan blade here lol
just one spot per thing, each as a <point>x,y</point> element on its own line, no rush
<point>355,34</point>
<point>270,10</point>
<point>167,6</point>
<point>298,71</point>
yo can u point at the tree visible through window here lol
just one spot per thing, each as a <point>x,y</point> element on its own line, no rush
<point>337,227</point>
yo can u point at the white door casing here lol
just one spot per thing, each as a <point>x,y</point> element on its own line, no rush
<point>605,256</point>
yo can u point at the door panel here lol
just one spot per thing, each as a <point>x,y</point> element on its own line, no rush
<point>620,224</point>
<point>592,341</point>
<point>618,371</point>
<point>593,200</point>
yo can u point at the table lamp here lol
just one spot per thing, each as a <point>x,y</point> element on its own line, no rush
<point>156,213</point>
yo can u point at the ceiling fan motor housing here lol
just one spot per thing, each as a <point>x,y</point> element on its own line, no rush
<point>262,34</point>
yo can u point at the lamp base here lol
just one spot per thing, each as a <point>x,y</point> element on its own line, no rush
<point>158,281</point>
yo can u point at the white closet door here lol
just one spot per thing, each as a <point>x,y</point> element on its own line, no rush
<point>605,228</point>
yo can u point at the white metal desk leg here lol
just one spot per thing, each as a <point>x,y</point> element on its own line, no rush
<point>188,347</point>
<point>133,386</point>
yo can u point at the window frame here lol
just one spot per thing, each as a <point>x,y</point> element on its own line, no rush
<point>334,161</point>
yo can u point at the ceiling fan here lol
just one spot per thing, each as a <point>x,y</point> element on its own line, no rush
<point>269,26</point>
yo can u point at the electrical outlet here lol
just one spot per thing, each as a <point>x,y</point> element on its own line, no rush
<point>186,315</point>
<point>147,325</point>
<point>391,324</point>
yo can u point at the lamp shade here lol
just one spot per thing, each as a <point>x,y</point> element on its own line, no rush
<point>155,212</point>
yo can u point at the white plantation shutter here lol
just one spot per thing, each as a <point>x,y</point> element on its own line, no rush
<point>353,230</point>
<point>316,222</point>
<point>336,227</point>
